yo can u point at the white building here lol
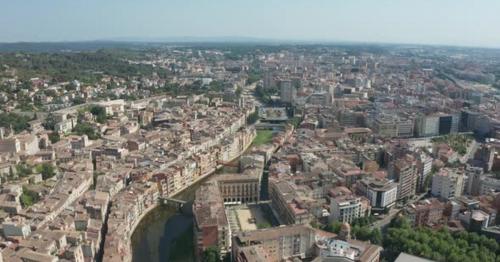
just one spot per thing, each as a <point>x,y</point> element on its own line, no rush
<point>447,184</point>
<point>345,208</point>
<point>65,126</point>
<point>424,167</point>
<point>113,106</point>
<point>382,194</point>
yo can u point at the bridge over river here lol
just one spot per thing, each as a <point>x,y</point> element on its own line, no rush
<point>173,202</point>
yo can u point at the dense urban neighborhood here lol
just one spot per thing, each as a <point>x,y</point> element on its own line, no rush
<point>292,152</point>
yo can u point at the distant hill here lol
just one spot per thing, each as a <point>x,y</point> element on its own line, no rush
<point>125,42</point>
<point>141,43</point>
<point>66,46</point>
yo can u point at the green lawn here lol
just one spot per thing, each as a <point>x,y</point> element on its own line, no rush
<point>263,137</point>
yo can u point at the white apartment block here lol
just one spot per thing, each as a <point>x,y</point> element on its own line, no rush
<point>447,184</point>
<point>381,194</point>
<point>345,209</point>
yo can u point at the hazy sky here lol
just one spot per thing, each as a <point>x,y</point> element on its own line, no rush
<point>455,22</point>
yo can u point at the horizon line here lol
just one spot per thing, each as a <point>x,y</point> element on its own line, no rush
<point>241,40</point>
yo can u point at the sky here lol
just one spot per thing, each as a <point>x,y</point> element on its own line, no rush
<point>443,22</point>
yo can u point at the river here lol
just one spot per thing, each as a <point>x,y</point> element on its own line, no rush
<point>166,233</point>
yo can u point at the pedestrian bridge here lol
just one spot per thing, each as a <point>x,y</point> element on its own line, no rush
<point>172,202</point>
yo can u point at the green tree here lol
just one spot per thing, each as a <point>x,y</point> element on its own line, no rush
<point>363,233</point>
<point>252,118</point>
<point>363,221</point>
<point>78,101</point>
<point>16,121</point>
<point>314,223</point>
<point>264,95</point>
<point>438,245</point>
<point>399,222</point>
<point>263,225</point>
<point>47,170</point>
<point>23,170</point>
<point>295,121</point>
<point>253,77</point>
<point>86,129</point>
<point>99,113</point>
<point>376,236</point>
<point>28,198</point>
<point>50,122</point>
<point>334,227</point>
<point>54,137</point>
<point>216,86</point>
<point>211,254</point>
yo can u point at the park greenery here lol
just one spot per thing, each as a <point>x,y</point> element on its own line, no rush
<point>360,229</point>
<point>211,254</point>
<point>67,66</point>
<point>16,121</point>
<point>28,198</point>
<point>23,170</point>
<point>50,122</point>
<point>253,77</point>
<point>263,225</point>
<point>264,94</point>
<point>54,137</point>
<point>363,221</point>
<point>438,245</point>
<point>458,142</point>
<point>46,169</point>
<point>196,88</point>
<point>334,227</point>
<point>263,137</point>
<point>99,113</point>
<point>86,129</point>
<point>295,121</point>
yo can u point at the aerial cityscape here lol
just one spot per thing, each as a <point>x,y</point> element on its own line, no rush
<point>247,149</point>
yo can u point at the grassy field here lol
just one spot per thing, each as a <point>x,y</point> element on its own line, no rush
<point>263,137</point>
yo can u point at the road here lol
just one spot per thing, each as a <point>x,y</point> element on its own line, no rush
<point>248,92</point>
<point>471,150</point>
<point>384,222</point>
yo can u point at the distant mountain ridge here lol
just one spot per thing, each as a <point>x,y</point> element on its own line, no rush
<point>145,42</point>
<point>64,46</point>
<point>126,42</point>
<point>196,39</point>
